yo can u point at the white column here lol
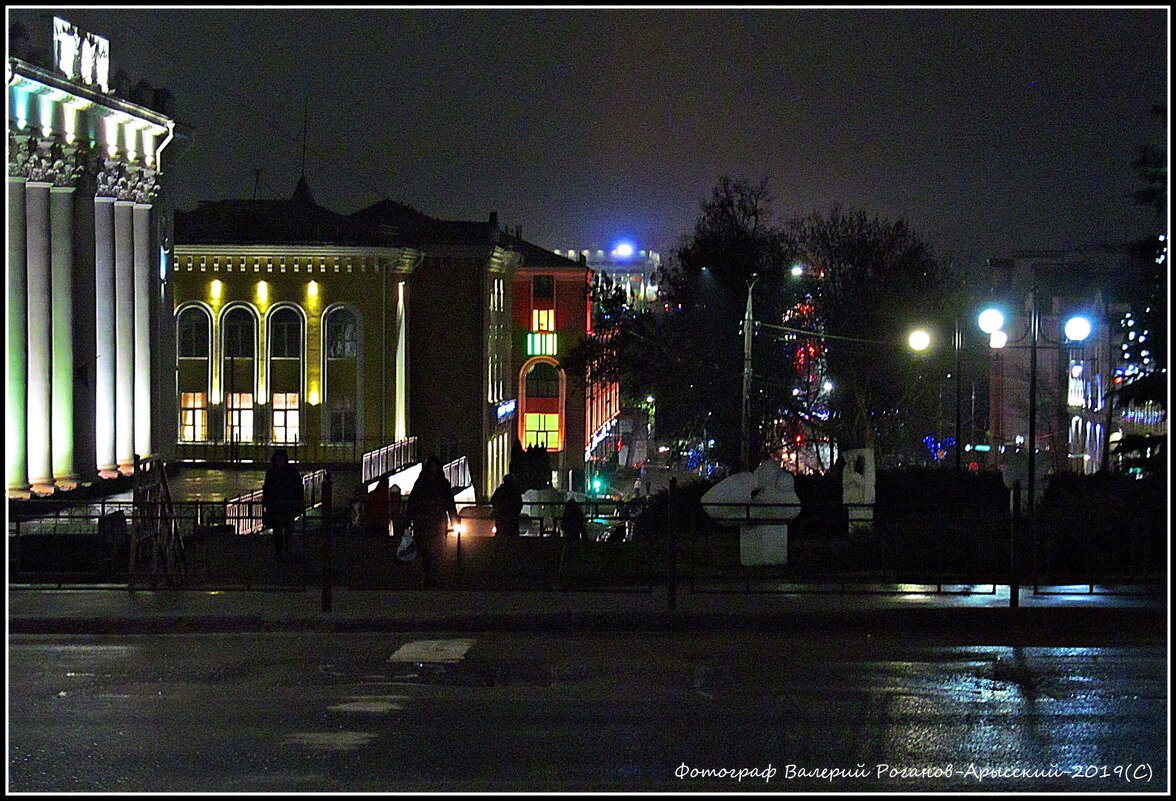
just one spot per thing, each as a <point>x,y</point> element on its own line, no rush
<point>105,365</point>
<point>16,474</point>
<point>401,428</point>
<point>40,338</point>
<point>142,414</point>
<point>61,228</point>
<point>124,333</point>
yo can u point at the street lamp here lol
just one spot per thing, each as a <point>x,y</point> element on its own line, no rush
<point>1076,329</point>
<point>748,322</point>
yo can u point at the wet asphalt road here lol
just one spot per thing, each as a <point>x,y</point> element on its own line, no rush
<point>321,712</point>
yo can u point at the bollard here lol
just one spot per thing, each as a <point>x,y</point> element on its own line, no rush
<point>326,523</point>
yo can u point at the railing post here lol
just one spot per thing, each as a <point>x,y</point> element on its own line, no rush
<point>1015,523</point>
<point>326,523</point>
<point>673,523</point>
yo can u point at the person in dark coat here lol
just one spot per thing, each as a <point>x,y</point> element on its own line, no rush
<point>508,506</point>
<point>281,499</point>
<point>575,531</point>
<point>429,507</point>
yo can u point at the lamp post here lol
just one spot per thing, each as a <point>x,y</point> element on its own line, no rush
<point>1076,329</point>
<point>748,322</point>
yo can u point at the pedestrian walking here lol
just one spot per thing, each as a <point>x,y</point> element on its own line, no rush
<point>574,530</point>
<point>429,507</point>
<point>281,499</point>
<point>507,503</point>
<point>396,522</point>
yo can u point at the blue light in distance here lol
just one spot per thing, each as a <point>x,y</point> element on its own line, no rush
<point>623,250</point>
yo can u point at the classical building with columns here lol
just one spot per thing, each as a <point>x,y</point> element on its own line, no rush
<point>89,303</point>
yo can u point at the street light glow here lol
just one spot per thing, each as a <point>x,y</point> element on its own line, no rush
<point>797,270</point>
<point>1077,329</point>
<point>990,321</point>
<point>919,340</point>
<point>998,339</point>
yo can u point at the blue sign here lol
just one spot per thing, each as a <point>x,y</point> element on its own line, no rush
<point>506,409</point>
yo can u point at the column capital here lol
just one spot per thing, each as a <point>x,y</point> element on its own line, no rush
<point>45,160</point>
<point>128,182</point>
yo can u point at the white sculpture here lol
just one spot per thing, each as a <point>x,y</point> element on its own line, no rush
<point>767,494</point>
<point>857,487</point>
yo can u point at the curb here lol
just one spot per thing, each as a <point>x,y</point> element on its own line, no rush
<point>1051,626</point>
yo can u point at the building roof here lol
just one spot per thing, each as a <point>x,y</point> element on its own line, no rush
<point>535,256</point>
<point>387,218</point>
<point>296,220</point>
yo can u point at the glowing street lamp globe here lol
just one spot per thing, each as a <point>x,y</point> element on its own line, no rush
<point>998,339</point>
<point>990,321</point>
<point>919,340</point>
<point>1077,329</point>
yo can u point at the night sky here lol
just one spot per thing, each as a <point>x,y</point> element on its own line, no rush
<point>989,131</point>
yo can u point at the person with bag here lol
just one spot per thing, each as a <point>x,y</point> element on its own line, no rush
<point>281,499</point>
<point>429,507</point>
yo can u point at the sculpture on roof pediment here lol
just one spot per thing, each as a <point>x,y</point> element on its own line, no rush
<point>39,163</point>
<point>18,154</point>
<point>108,178</point>
<point>69,163</point>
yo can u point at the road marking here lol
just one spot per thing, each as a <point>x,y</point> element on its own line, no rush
<point>432,651</point>
<point>330,740</point>
<point>376,704</point>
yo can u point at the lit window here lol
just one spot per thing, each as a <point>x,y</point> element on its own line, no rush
<point>543,320</point>
<point>240,422</point>
<point>285,428</point>
<point>542,430</point>
<point>542,344</point>
<point>193,416</point>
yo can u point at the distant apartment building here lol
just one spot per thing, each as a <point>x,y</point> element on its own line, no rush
<point>624,265</point>
<point>1075,422</point>
<point>550,317</point>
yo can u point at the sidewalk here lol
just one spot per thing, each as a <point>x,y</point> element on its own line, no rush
<point>963,619</point>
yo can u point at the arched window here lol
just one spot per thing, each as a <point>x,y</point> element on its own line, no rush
<point>285,334</point>
<point>239,343</point>
<point>342,336</point>
<point>238,327</point>
<point>543,381</point>
<point>192,333</point>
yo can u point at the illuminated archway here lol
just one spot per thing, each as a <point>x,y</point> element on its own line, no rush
<point>541,406</point>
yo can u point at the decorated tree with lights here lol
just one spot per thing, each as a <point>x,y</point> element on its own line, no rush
<point>873,278</point>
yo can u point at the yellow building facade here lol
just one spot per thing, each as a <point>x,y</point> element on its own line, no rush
<point>294,345</point>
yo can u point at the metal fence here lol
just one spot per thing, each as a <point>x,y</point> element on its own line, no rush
<point>389,459</point>
<point>244,513</point>
<point>950,547</point>
<point>457,473</point>
<point>305,452</point>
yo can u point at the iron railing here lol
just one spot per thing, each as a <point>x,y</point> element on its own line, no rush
<point>389,459</point>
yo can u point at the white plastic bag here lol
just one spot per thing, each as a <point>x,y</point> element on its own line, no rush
<point>407,550</point>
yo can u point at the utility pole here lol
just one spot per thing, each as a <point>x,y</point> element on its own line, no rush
<point>748,323</point>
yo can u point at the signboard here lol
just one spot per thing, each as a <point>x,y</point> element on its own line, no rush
<point>506,409</point>
<point>80,55</point>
